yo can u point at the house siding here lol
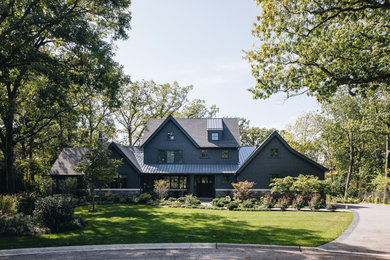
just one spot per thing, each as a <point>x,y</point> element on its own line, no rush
<point>191,154</point>
<point>260,169</point>
<point>133,177</point>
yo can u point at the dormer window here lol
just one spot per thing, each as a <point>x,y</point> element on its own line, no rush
<point>214,136</point>
<point>171,136</point>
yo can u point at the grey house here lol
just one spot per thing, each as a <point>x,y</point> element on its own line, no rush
<point>197,156</point>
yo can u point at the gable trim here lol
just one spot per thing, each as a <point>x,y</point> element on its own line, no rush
<point>173,120</point>
<point>266,141</point>
<point>121,153</point>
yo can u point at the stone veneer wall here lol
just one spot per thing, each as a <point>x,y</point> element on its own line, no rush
<point>256,193</point>
<point>121,193</point>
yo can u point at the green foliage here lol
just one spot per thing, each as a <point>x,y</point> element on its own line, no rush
<point>252,136</point>
<point>161,188</point>
<point>248,204</point>
<point>306,184</point>
<point>331,206</point>
<point>298,202</point>
<point>44,186</point>
<point>381,183</point>
<point>8,204</point>
<point>318,46</point>
<point>377,200</point>
<point>26,202</point>
<point>232,205</point>
<point>316,202</point>
<point>220,202</point>
<point>282,186</point>
<point>68,186</point>
<point>283,203</point>
<point>56,213</point>
<point>191,200</point>
<point>19,224</point>
<point>268,202</point>
<point>144,198</point>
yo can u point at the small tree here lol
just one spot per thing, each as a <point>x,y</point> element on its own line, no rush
<point>282,186</point>
<point>307,185</point>
<point>161,188</point>
<point>99,170</point>
<point>381,184</point>
<point>242,189</point>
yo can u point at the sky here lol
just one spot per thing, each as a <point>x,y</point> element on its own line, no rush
<point>202,43</point>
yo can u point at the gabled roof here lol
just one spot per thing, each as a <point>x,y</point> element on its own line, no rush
<point>127,152</point>
<point>67,161</point>
<point>275,134</point>
<point>196,130</point>
<point>150,134</point>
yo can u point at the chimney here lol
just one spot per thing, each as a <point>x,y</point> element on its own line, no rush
<point>102,141</point>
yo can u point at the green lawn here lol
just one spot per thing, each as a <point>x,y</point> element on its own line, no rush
<point>119,224</point>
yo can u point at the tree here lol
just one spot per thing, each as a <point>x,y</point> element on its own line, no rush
<point>161,188</point>
<point>307,185</point>
<point>252,136</point>
<point>242,189</point>
<point>197,109</point>
<point>62,42</point>
<point>319,46</point>
<point>99,169</point>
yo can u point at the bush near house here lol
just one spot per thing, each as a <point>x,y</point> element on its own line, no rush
<point>242,189</point>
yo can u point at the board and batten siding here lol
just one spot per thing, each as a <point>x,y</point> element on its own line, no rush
<point>133,177</point>
<point>263,166</point>
<point>191,154</point>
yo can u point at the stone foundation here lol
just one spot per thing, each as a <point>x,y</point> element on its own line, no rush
<point>256,193</point>
<point>121,193</point>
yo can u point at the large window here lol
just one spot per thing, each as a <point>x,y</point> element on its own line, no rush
<point>225,154</point>
<point>177,182</point>
<point>214,136</point>
<point>170,156</point>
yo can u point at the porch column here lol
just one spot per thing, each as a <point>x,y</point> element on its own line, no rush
<point>191,185</point>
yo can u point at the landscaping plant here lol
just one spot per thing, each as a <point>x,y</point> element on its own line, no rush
<point>298,202</point>
<point>242,189</point>
<point>268,202</point>
<point>161,188</point>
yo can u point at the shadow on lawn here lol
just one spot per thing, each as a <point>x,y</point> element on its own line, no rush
<point>122,224</point>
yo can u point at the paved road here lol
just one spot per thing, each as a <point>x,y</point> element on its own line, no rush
<point>368,237</point>
<point>369,231</point>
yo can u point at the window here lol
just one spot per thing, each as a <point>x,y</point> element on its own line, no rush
<point>225,154</point>
<point>214,136</point>
<point>274,153</point>
<point>177,182</point>
<point>170,156</point>
<point>171,136</point>
<point>225,179</point>
<point>205,153</point>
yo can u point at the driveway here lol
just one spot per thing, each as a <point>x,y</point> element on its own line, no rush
<point>368,233</point>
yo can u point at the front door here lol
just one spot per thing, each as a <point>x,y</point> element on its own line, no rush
<point>204,186</point>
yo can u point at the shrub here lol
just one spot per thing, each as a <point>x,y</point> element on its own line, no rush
<point>191,200</point>
<point>369,199</point>
<point>247,204</point>
<point>331,206</point>
<point>221,202</point>
<point>298,202</point>
<point>307,185</point>
<point>171,199</point>
<point>55,212</point>
<point>228,198</point>
<point>181,199</point>
<point>268,202</point>
<point>68,186</point>
<point>282,186</point>
<point>254,201</point>
<point>19,224</point>
<point>8,204</point>
<point>26,203</point>
<point>144,198</point>
<point>232,205</point>
<point>214,201</point>
<point>242,189</point>
<point>44,186</point>
<point>283,203</point>
<point>315,202</point>
<point>161,188</point>
<point>377,200</point>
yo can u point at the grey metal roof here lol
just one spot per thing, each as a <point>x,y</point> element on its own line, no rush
<point>128,151</point>
<point>244,153</point>
<point>67,161</point>
<point>214,124</point>
<point>196,128</point>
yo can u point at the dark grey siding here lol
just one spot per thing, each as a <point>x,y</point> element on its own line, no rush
<point>133,177</point>
<point>260,169</point>
<point>191,154</point>
<point>220,181</point>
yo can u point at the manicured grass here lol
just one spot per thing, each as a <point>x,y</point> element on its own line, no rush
<point>119,224</point>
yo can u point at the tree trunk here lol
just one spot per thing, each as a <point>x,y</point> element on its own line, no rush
<point>9,152</point>
<point>350,166</point>
<point>130,137</point>
<point>387,160</point>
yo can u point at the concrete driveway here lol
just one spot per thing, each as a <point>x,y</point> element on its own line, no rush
<point>368,237</point>
<point>368,233</point>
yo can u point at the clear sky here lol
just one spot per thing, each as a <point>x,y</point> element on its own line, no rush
<point>202,43</point>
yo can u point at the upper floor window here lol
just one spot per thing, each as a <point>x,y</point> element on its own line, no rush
<point>205,153</point>
<point>171,136</point>
<point>274,153</point>
<point>170,156</point>
<point>225,154</point>
<point>214,136</point>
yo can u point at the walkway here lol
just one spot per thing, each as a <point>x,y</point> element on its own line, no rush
<point>368,233</point>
